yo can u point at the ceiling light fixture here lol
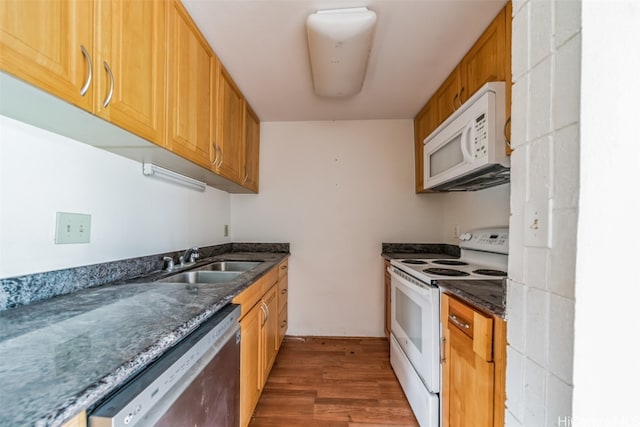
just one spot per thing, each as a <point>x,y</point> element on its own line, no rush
<point>339,47</point>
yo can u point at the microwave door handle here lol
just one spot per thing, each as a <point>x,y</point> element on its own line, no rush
<point>465,143</point>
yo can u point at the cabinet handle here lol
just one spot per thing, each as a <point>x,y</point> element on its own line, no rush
<point>460,97</point>
<point>506,137</point>
<point>246,175</point>
<point>453,101</point>
<point>85,86</point>
<point>263,307</point>
<point>284,267</point>
<point>283,324</point>
<point>215,155</point>
<point>221,157</point>
<point>283,292</point>
<point>458,322</point>
<point>112,84</point>
<point>443,342</point>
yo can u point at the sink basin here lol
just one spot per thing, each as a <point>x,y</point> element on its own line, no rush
<point>230,266</point>
<point>202,277</point>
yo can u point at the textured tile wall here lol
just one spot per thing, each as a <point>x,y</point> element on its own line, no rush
<point>545,172</point>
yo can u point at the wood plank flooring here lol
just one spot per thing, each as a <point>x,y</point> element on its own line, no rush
<point>333,382</point>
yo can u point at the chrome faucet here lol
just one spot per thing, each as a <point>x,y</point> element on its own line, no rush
<point>189,256</point>
<point>169,263</point>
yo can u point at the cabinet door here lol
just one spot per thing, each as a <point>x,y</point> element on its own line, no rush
<point>485,61</point>
<point>230,139</point>
<point>192,89</point>
<point>130,38</point>
<point>425,122</point>
<point>250,366</point>
<point>270,330</point>
<point>41,43</point>
<point>252,150</point>
<point>468,372</point>
<point>470,398</point>
<point>447,97</point>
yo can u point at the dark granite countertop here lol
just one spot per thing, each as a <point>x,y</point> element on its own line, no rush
<point>419,250</point>
<point>62,355</point>
<point>487,295</point>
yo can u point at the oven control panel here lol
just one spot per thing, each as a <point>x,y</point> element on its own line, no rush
<point>486,239</point>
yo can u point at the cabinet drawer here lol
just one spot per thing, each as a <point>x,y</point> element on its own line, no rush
<point>283,323</point>
<point>283,292</point>
<point>283,269</point>
<point>474,324</point>
<point>250,296</point>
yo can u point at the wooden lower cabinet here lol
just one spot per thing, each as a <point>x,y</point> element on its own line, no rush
<point>262,312</point>
<point>79,420</point>
<point>283,299</point>
<point>250,372</point>
<point>269,330</point>
<point>473,366</point>
<point>387,299</point>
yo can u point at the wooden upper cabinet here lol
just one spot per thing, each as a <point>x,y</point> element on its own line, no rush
<point>130,40</point>
<point>252,150</point>
<point>485,61</point>
<point>489,59</point>
<point>448,96</point>
<point>229,157</point>
<point>191,100</point>
<point>107,57</point>
<point>425,122</point>
<point>41,42</point>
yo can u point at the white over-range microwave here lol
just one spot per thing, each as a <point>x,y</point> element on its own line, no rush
<point>467,151</point>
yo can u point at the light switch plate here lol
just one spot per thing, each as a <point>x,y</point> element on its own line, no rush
<point>537,223</point>
<point>72,228</point>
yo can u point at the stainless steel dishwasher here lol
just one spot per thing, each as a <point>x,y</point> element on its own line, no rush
<point>197,383</point>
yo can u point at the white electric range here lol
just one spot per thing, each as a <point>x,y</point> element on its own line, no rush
<point>415,312</point>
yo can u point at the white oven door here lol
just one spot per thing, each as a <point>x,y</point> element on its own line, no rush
<point>415,313</point>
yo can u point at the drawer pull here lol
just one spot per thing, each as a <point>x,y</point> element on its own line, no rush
<point>284,291</point>
<point>283,324</point>
<point>443,346</point>
<point>458,322</point>
<point>284,267</point>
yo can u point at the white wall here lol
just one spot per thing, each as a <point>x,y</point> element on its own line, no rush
<point>336,191</point>
<point>42,173</point>
<point>475,209</point>
<point>545,172</point>
<point>606,369</point>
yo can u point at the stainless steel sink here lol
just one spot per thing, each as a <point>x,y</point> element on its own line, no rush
<point>230,266</point>
<point>202,277</point>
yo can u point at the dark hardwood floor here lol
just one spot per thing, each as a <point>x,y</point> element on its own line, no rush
<point>333,382</point>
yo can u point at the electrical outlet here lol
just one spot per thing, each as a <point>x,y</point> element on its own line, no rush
<point>537,223</point>
<point>226,230</point>
<point>456,231</point>
<point>72,228</point>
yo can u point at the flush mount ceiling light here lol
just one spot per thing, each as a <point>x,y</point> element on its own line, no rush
<point>339,46</point>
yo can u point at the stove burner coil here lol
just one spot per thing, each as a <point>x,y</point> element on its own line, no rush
<point>445,272</point>
<point>489,272</point>
<point>413,261</point>
<point>449,262</point>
